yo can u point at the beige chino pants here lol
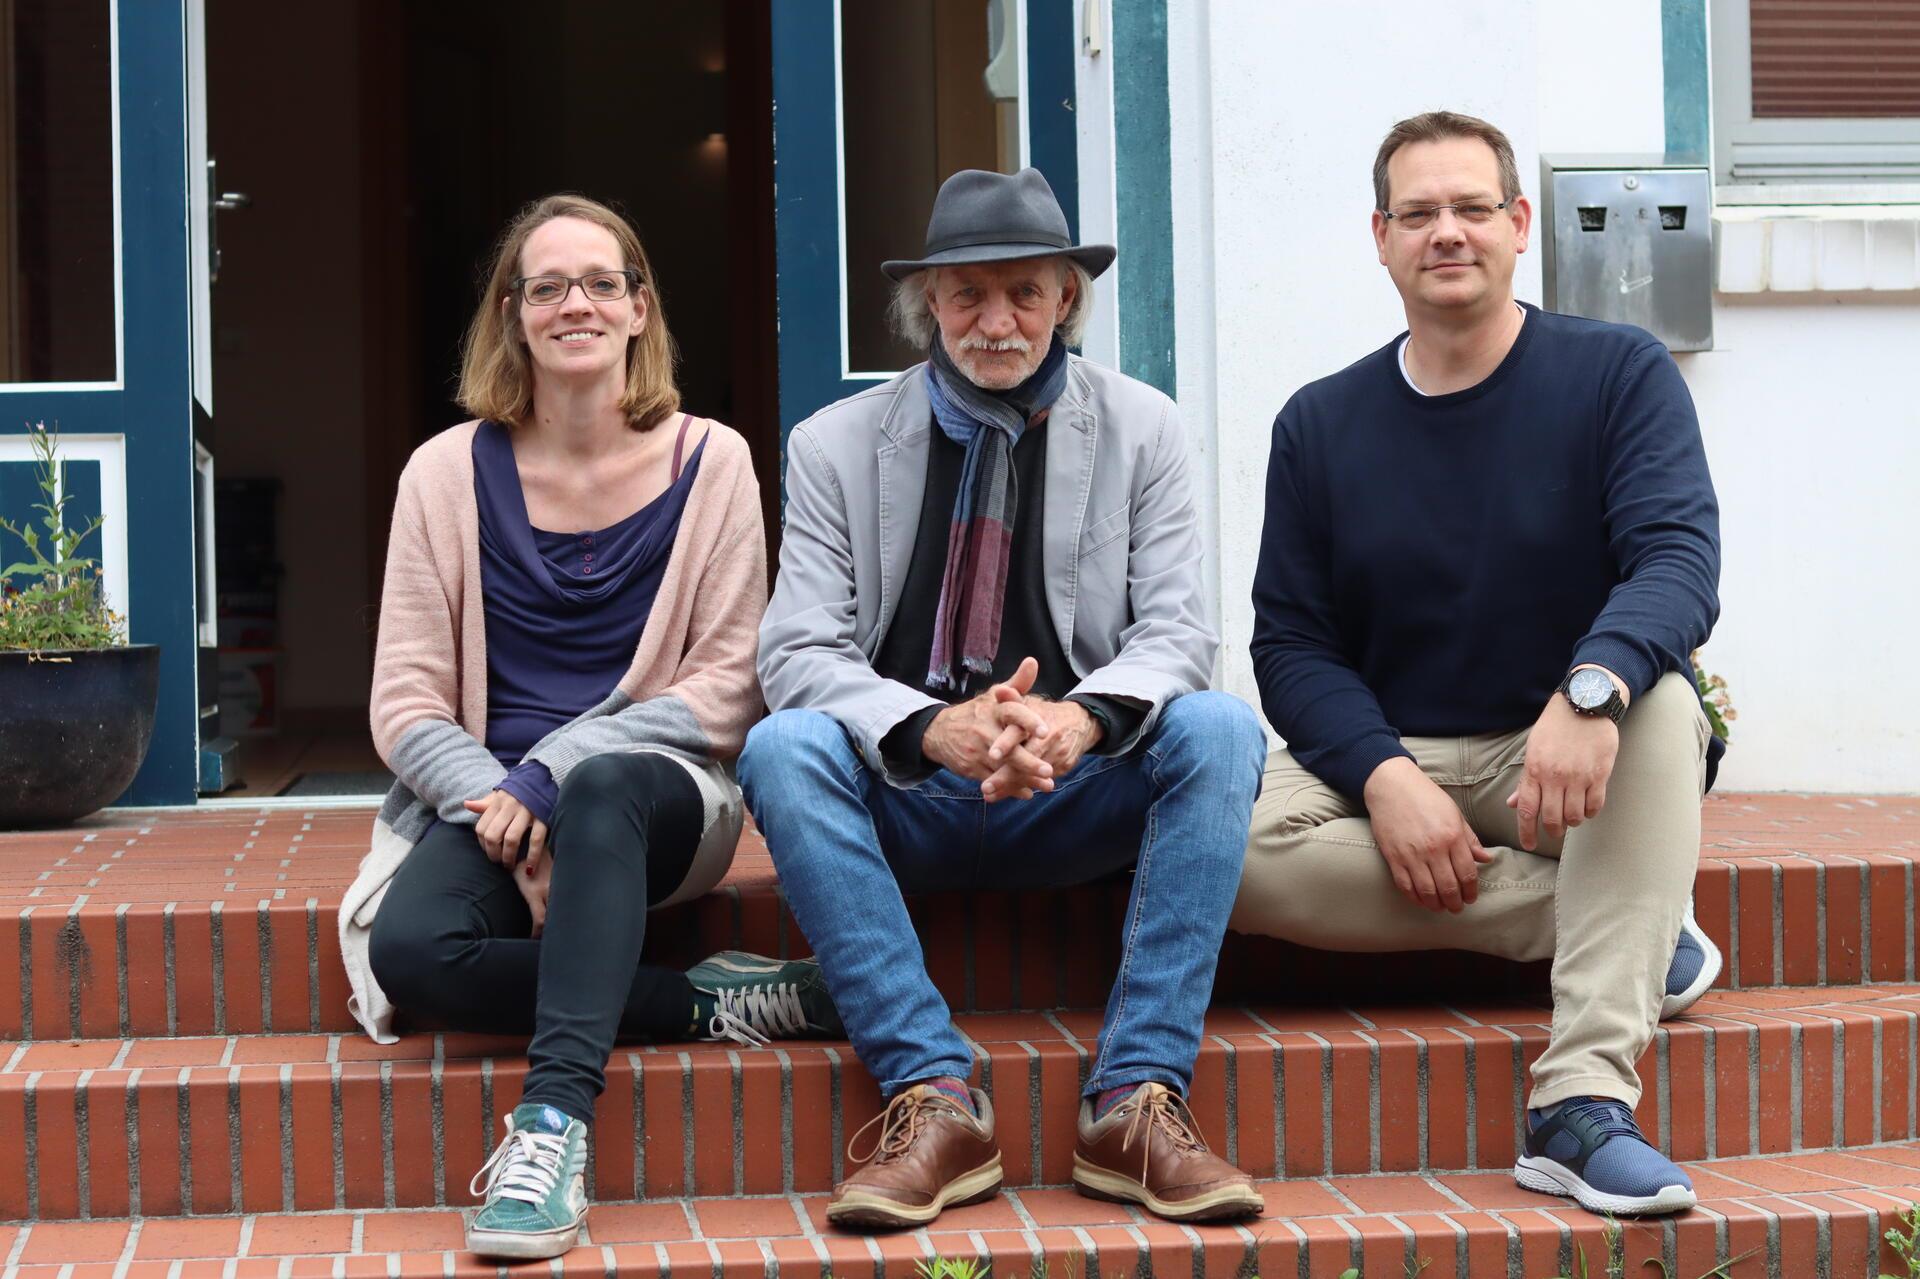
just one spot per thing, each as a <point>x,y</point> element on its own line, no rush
<point>1605,907</point>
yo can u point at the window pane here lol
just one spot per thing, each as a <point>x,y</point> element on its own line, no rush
<point>914,109</point>
<point>56,192</point>
<point>1835,58</point>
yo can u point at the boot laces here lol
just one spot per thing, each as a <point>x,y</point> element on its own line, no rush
<point>768,1011</point>
<point>525,1166</point>
<point>1162,1111</point>
<point>902,1122</point>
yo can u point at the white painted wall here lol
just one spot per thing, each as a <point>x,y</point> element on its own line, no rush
<point>1809,411</point>
<point>1806,404</point>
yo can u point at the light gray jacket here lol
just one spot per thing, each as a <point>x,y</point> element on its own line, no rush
<point>1121,548</point>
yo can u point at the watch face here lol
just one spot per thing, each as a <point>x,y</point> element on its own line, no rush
<point>1589,689</point>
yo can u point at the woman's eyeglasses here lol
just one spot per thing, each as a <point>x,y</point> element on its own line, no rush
<point>597,286</point>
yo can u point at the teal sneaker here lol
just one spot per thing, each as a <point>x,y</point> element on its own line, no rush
<point>760,999</point>
<point>536,1188</point>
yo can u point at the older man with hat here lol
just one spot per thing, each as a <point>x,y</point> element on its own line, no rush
<point>988,657</point>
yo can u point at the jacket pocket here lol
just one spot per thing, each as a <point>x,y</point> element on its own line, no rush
<point>1102,532</point>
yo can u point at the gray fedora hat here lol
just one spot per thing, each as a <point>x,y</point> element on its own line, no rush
<point>998,217</point>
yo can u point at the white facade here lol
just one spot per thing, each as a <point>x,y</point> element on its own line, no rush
<point>1807,406</point>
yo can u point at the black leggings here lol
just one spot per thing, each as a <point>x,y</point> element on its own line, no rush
<point>452,939</point>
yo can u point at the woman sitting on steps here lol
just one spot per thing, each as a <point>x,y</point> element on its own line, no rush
<point>565,671</point>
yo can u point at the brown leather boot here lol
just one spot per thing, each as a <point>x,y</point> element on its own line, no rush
<point>1148,1150</point>
<point>930,1155</point>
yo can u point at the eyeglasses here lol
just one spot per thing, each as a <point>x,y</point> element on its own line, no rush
<point>597,286</point>
<point>1420,216</point>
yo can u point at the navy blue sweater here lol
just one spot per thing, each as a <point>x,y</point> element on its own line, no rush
<point>1432,566</point>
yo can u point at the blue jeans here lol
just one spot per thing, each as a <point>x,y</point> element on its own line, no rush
<point>847,844</point>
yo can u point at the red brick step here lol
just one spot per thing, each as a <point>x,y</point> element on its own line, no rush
<point>222,923</point>
<point>1793,1215</point>
<point>106,1128</point>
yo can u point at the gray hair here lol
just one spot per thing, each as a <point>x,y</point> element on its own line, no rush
<point>911,314</point>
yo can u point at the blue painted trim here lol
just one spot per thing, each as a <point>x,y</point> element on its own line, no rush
<point>806,212</point>
<point>1683,64</point>
<point>1053,130</point>
<point>80,483</point>
<point>153,411</point>
<point>806,202</point>
<point>1143,182</point>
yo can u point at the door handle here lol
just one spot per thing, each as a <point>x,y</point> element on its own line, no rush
<point>227,200</point>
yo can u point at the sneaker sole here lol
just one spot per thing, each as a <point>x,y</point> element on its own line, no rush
<point>869,1211</point>
<point>1672,1006</point>
<point>1550,1177</point>
<point>1096,1182</point>
<point>520,1245</point>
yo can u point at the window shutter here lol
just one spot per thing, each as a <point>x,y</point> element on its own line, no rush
<point>1850,59</point>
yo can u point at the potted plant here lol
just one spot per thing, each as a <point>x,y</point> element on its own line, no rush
<point>76,700</point>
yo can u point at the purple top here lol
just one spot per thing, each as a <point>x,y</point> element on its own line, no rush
<point>564,611</point>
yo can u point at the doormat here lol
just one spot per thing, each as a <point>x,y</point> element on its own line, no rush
<point>317,784</point>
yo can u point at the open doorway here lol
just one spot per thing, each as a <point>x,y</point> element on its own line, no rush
<point>383,147</point>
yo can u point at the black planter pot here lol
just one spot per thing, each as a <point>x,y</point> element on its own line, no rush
<point>74,727</point>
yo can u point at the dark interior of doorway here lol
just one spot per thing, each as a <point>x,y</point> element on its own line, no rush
<point>384,146</point>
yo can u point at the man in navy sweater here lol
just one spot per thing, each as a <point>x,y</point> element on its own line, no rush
<point>1491,547</point>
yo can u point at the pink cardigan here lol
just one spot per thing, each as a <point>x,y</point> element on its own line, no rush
<point>690,695</point>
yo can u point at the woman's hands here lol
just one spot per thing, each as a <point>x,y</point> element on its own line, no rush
<point>533,885</point>
<point>505,823</point>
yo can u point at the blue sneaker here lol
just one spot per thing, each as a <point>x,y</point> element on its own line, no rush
<point>1696,962</point>
<point>536,1187</point>
<point>1590,1148</point>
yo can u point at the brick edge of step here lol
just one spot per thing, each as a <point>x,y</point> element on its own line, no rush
<point>779,1238</point>
<point>713,1120</point>
<point>273,965</point>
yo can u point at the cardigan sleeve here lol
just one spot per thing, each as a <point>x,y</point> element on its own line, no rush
<point>414,708</point>
<point>714,696</point>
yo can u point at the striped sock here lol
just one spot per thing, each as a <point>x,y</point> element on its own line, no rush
<point>1110,1098</point>
<point>956,1090</point>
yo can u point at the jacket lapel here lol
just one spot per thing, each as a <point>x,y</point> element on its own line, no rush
<point>1071,434</point>
<point>902,458</point>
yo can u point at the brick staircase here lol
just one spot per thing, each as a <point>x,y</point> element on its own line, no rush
<point>182,1092</point>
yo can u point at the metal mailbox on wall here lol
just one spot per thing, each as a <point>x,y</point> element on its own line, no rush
<point>1630,239</point>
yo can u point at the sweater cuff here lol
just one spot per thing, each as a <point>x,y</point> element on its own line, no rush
<point>1118,718</point>
<point>1348,769</point>
<point>531,782</point>
<point>903,746</point>
<point>1622,659</point>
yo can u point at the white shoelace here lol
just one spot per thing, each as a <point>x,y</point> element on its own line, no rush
<point>758,1014</point>
<point>526,1166</point>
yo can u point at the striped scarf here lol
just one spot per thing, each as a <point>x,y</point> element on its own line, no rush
<point>973,588</point>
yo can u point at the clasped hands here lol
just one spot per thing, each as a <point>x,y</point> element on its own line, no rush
<point>505,824</point>
<point>1013,743</point>
<point>1435,856</point>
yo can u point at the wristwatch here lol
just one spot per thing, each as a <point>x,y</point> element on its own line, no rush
<point>1591,692</point>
